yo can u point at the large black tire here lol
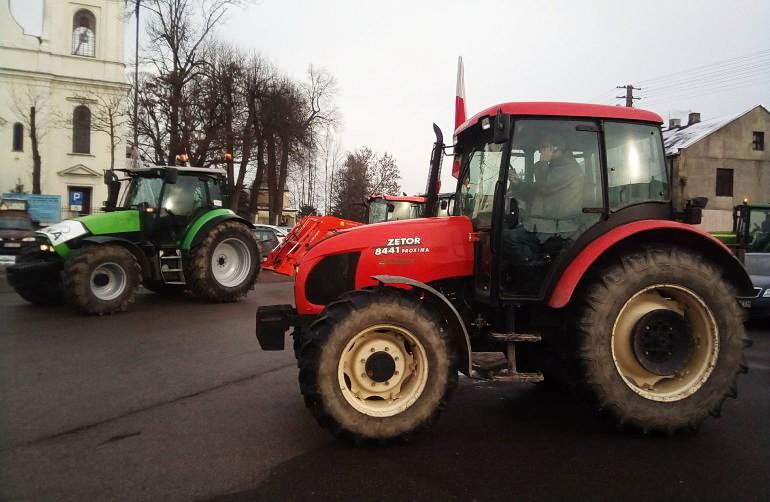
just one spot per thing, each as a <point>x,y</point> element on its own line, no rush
<point>660,339</point>
<point>101,279</point>
<point>231,241</point>
<point>44,292</point>
<point>362,335</point>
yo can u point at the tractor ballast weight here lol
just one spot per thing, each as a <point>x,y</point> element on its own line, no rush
<point>170,234</point>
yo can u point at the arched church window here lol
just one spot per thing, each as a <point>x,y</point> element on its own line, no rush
<point>84,34</point>
<point>81,130</point>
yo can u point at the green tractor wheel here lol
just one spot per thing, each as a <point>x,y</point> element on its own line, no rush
<point>225,265</point>
<point>101,279</point>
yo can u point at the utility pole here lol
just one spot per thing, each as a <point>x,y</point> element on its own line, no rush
<point>629,94</point>
<point>136,81</point>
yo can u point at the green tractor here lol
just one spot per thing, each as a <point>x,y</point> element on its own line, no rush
<point>169,234</point>
<point>751,229</point>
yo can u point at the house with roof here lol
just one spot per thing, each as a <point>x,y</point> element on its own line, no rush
<point>725,159</point>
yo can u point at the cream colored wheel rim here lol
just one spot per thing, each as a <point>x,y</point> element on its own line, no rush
<point>380,351</point>
<point>705,335</point>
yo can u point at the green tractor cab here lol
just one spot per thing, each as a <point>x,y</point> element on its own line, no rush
<point>751,230</point>
<point>169,233</point>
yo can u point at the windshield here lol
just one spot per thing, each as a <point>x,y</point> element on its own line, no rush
<point>15,224</point>
<point>143,189</point>
<point>478,187</point>
<point>391,210</point>
<point>378,211</point>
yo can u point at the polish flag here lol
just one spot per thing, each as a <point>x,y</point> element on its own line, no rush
<point>459,109</point>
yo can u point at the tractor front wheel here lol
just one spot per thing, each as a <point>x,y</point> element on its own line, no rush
<point>101,279</point>
<point>661,339</point>
<point>376,365</point>
<point>225,265</point>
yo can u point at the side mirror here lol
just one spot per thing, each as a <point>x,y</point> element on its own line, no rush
<point>170,175</point>
<point>391,207</point>
<point>502,128</point>
<point>109,176</point>
<point>693,210</point>
<point>444,205</point>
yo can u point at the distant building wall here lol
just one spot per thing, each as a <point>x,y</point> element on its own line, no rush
<point>730,147</point>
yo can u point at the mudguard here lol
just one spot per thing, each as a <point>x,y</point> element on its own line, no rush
<point>647,230</point>
<point>144,263</point>
<point>200,227</point>
<point>450,313</point>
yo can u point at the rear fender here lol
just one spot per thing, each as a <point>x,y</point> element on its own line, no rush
<point>640,232</point>
<point>135,250</point>
<point>455,322</point>
<point>198,229</point>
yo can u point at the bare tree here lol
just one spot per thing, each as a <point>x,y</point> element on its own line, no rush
<point>27,104</point>
<point>363,174</point>
<point>178,34</point>
<point>330,153</point>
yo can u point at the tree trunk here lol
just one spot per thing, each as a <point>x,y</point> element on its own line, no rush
<point>260,174</point>
<point>36,162</point>
<point>272,180</point>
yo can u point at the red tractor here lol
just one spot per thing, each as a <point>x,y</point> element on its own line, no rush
<point>564,258</point>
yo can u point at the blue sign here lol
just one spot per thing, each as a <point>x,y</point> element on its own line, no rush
<point>43,208</point>
<point>76,198</point>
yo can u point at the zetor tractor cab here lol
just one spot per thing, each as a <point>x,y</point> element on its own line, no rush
<point>169,234</point>
<point>564,260</point>
<point>383,208</point>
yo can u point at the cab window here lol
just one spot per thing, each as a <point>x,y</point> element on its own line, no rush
<point>185,196</point>
<point>478,189</point>
<point>636,169</point>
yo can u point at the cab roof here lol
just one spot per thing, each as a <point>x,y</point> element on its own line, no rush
<point>561,109</point>
<point>399,198</point>
<point>212,171</point>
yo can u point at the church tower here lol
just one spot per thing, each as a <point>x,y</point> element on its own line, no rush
<point>69,72</point>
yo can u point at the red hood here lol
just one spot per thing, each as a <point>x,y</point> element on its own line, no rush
<point>423,249</point>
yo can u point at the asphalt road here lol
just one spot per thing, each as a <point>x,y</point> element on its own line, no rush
<point>174,400</point>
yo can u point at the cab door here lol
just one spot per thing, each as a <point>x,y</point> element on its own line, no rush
<point>479,195</point>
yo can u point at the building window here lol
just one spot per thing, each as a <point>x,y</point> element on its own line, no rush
<point>759,140</point>
<point>18,137</point>
<point>724,182</point>
<point>81,130</point>
<point>83,34</point>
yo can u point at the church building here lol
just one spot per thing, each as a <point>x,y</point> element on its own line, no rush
<point>64,83</point>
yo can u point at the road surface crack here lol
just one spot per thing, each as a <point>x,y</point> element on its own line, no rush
<point>86,427</point>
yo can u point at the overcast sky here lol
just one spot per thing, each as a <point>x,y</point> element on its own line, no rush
<point>395,61</point>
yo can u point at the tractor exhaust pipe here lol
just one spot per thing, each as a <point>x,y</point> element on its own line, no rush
<point>434,175</point>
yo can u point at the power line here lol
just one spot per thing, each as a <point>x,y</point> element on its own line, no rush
<point>706,66</point>
<point>712,76</point>
<point>705,85</point>
<point>706,93</point>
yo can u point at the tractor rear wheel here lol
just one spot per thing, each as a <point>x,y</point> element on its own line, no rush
<point>225,265</point>
<point>661,339</point>
<point>101,279</point>
<point>376,366</point>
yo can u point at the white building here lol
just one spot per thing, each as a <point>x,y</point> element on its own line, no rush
<point>68,72</point>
